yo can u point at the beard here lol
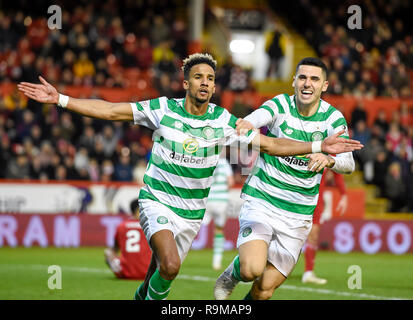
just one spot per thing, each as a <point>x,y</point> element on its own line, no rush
<point>201,100</point>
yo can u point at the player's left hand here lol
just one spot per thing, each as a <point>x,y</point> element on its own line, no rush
<point>318,161</point>
<point>335,144</point>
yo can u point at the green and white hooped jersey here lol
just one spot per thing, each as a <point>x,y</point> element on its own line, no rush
<point>284,184</point>
<point>185,152</point>
<point>219,188</point>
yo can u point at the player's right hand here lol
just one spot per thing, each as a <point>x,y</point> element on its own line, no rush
<point>44,93</point>
<point>243,126</point>
<point>335,144</point>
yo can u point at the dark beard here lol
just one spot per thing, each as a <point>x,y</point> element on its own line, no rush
<point>199,101</point>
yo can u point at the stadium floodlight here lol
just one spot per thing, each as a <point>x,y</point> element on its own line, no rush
<point>241,46</point>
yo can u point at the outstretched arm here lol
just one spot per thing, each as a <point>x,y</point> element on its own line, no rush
<point>94,108</point>
<point>287,147</point>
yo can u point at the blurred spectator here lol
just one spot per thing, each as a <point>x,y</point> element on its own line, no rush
<point>123,169</point>
<point>393,136</point>
<point>25,125</point>
<point>36,135</point>
<point>404,150</point>
<point>107,170</point>
<point>93,170</point>
<point>163,58</point>
<point>18,168</point>
<point>83,67</point>
<point>406,116</point>
<point>84,174</point>
<point>381,164</point>
<point>223,73</point>
<point>15,100</point>
<point>71,172</point>
<point>144,54</point>
<point>179,34</point>
<point>67,128</point>
<point>133,133</point>
<point>395,188</point>
<point>129,53</point>
<point>334,84</point>
<point>98,152</point>
<point>381,121</point>
<point>36,169</point>
<point>137,152</point>
<point>60,173</point>
<point>160,31</point>
<point>367,156</point>
<point>109,139</point>
<point>87,138</point>
<point>274,52</point>
<point>358,114</point>
<point>163,85</point>
<point>361,132</point>
<point>81,158</point>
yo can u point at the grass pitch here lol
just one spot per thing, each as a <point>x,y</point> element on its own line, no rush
<point>24,276</point>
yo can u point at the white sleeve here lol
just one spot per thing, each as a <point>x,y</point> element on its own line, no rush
<point>148,113</point>
<point>259,118</point>
<point>344,163</point>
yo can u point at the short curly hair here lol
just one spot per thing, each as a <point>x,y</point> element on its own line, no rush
<point>197,58</point>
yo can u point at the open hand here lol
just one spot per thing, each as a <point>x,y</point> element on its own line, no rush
<point>44,92</point>
<point>335,144</point>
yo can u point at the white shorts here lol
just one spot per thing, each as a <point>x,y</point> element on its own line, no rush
<point>154,217</point>
<point>284,235</point>
<point>217,210</point>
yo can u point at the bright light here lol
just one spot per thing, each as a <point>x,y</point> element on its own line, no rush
<point>242,46</point>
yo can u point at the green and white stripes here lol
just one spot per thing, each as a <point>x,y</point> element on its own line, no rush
<point>284,184</point>
<point>219,187</point>
<point>185,152</point>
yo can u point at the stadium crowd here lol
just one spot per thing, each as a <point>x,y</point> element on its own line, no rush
<point>372,61</point>
<point>100,42</point>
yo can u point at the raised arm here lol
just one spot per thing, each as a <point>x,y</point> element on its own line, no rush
<point>94,108</point>
<point>288,147</point>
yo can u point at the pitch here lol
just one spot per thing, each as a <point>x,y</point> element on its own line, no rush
<point>84,276</point>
